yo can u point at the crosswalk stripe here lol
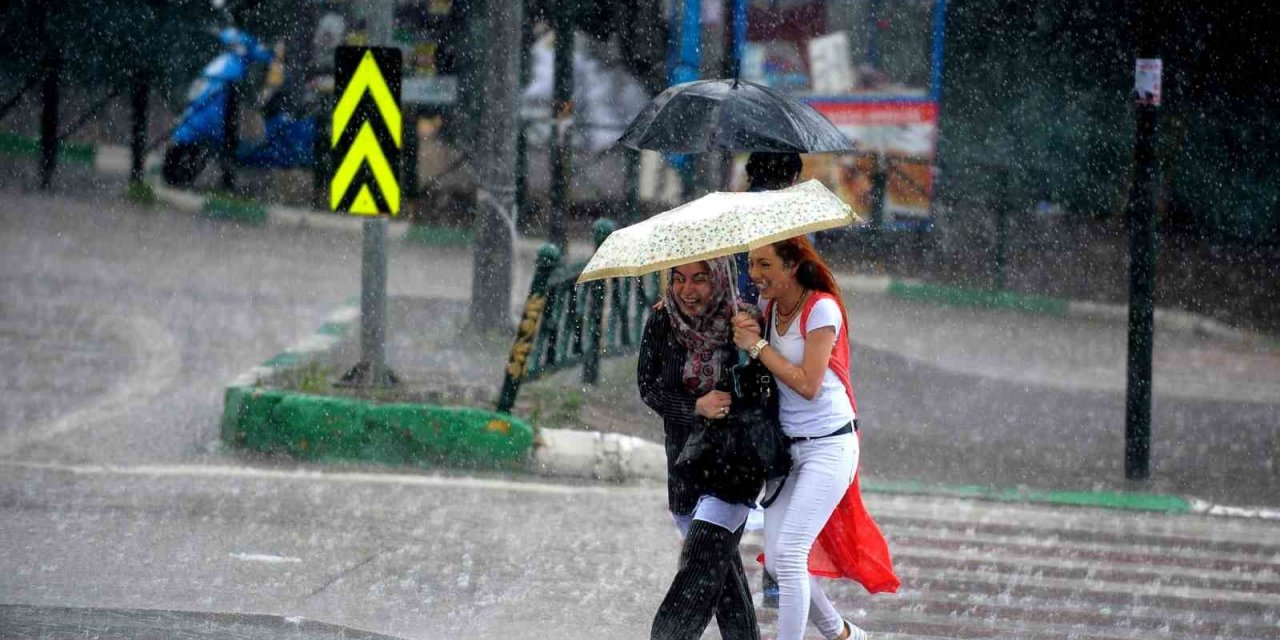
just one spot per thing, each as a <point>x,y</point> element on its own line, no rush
<point>1030,573</point>
<point>1080,569</point>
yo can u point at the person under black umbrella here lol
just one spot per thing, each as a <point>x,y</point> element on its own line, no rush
<point>766,171</point>
<point>735,116</point>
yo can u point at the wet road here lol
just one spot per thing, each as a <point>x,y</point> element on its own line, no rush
<point>122,325</point>
<point>423,556</point>
<point>994,398</point>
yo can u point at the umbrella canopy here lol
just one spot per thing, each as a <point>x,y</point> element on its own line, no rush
<point>717,224</point>
<point>731,115</point>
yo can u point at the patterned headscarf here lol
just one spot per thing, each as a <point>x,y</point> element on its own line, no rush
<point>707,337</point>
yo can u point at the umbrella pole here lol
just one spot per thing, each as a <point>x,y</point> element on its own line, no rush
<point>743,358</point>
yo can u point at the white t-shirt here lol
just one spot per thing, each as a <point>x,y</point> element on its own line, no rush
<point>830,409</point>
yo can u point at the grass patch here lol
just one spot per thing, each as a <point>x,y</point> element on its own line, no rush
<point>141,193</point>
<point>235,209</point>
<point>551,406</point>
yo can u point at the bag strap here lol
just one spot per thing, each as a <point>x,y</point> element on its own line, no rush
<point>768,333</point>
<point>765,502</point>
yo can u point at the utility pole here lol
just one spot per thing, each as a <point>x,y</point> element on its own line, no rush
<point>562,112</point>
<point>139,98</point>
<point>496,190</point>
<point>733,34</point>
<point>51,71</point>
<point>49,99</point>
<point>1140,219</point>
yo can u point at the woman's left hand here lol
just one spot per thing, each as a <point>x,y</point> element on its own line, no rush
<point>746,331</point>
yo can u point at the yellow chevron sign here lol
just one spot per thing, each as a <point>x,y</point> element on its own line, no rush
<point>366,131</point>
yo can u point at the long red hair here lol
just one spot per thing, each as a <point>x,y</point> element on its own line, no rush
<point>812,271</point>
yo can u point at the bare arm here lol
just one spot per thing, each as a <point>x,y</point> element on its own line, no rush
<point>806,378</point>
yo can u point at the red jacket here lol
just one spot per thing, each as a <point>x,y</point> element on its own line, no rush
<point>850,545</point>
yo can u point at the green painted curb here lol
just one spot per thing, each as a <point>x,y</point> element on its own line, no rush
<point>959,296</point>
<point>13,144</point>
<point>438,236</point>
<point>248,212</point>
<point>1100,499</point>
<point>322,428</point>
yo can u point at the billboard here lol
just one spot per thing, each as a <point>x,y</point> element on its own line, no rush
<point>872,67</point>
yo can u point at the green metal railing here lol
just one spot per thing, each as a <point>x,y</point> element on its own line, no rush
<point>565,325</point>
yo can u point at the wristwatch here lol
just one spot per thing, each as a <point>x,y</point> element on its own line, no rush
<point>756,348</point>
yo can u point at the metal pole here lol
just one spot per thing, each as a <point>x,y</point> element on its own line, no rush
<point>373,300</point>
<point>534,307</point>
<point>595,311</point>
<point>1140,217</point>
<point>633,187</point>
<point>522,137</point>
<point>320,158</point>
<point>1002,229</point>
<point>140,96</point>
<point>50,97</point>
<point>230,136</point>
<point>879,183</point>
<point>409,159</point>
<point>562,111</point>
<point>372,370</point>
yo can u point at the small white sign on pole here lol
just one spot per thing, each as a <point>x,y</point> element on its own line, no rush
<point>1146,81</point>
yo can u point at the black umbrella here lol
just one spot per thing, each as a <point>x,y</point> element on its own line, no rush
<point>731,115</point>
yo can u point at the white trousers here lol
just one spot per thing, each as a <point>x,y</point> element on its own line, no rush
<point>822,471</point>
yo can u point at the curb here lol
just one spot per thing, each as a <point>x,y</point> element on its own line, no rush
<point>325,428</point>
<point>601,456</point>
<point>621,458</point>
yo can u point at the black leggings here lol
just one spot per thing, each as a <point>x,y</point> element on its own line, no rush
<point>710,580</point>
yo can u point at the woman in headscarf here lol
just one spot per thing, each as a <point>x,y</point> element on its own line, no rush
<point>686,348</point>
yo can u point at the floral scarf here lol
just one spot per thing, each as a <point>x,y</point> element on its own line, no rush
<point>708,337</point>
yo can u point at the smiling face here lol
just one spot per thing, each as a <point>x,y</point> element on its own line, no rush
<point>691,285</point>
<point>771,275</point>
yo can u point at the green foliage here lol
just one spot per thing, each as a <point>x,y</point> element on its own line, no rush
<point>1036,106</point>
<point>550,405</point>
<point>1035,103</point>
<point>141,193</point>
<point>102,43</point>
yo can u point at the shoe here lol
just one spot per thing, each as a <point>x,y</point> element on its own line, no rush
<point>852,632</point>
<point>769,587</point>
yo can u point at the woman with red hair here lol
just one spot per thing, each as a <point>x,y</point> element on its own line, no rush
<point>816,524</point>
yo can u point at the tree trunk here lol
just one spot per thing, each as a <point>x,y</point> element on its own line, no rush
<point>496,191</point>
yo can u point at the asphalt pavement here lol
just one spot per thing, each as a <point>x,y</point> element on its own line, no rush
<point>121,325</point>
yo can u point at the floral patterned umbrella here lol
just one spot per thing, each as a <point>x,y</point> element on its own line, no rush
<point>717,224</point>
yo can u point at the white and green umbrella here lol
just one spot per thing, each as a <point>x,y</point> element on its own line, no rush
<point>717,224</point>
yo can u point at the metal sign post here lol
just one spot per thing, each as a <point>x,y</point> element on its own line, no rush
<point>366,138</point>
<point>1140,218</point>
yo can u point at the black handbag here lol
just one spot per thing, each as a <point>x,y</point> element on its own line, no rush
<point>738,453</point>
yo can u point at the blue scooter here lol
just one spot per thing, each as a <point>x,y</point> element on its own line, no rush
<point>289,132</point>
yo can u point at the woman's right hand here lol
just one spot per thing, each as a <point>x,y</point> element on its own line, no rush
<point>714,405</point>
